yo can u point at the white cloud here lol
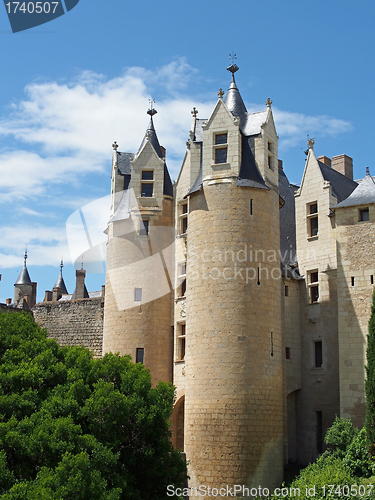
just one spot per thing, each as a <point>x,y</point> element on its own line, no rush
<point>61,134</point>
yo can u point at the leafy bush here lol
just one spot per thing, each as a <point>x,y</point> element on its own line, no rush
<point>75,427</point>
<point>340,435</point>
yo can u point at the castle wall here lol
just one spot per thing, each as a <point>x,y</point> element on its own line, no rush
<point>73,322</point>
<point>356,265</point>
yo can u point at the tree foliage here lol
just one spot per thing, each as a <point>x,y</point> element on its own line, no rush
<point>75,427</point>
<point>370,382</point>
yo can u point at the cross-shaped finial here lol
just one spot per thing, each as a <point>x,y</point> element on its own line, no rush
<point>232,57</point>
<point>61,264</point>
<point>311,143</point>
<point>148,134</point>
<point>367,171</point>
<point>220,93</point>
<point>194,112</point>
<point>25,256</point>
<point>115,146</point>
<point>268,103</point>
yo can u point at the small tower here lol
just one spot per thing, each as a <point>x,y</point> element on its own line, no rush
<point>234,388</point>
<point>24,289</point>
<point>60,283</point>
<point>137,317</point>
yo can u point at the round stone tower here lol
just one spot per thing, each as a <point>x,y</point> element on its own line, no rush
<point>137,310</point>
<point>234,389</point>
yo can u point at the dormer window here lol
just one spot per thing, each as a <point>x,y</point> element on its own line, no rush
<point>147,186</point>
<point>221,148</point>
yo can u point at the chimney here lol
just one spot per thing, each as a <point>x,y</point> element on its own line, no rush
<point>8,302</point>
<point>80,284</point>
<point>56,293</point>
<point>163,150</point>
<point>343,164</point>
<point>280,164</point>
<point>33,294</point>
<point>47,296</point>
<point>103,290</point>
<point>325,160</point>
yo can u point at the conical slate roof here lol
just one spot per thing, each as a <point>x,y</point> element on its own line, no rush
<point>151,136</point>
<point>60,282</point>
<point>24,277</point>
<point>234,101</point>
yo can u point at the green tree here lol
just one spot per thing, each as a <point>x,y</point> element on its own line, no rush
<point>370,382</point>
<point>75,427</point>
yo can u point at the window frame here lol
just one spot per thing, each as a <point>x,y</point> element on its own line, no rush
<point>363,211</point>
<point>220,146</point>
<point>147,182</point>
<point>312,218</point>
<point>313,286</point>
<point>144,227</point>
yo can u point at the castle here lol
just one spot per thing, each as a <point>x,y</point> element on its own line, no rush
<point>250,294</point>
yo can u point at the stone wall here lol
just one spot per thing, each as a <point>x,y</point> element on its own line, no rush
<point>73,322</point>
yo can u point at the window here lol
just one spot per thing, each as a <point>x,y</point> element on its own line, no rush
<point>144,228</point>
<point>312,219</point>
<point>372,279</point>
<point>286,291</point>
<point>183,288</point>
<point>140,355</point>
<point>220,150</point>
<point>183,216</point>
<point>364,215</point>
<point>313,286</point>
<point>137,294</point>
<point>182,269</point>
<point>147,186</point>
<point>251,207</point>
<point>287,352</point>
<point>352,280</point>
<point>318,353</point>
<point>182,342</point>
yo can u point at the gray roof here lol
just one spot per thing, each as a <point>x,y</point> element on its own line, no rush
<point>342,186</point>
<point>234,102</point>
<point>123,162</point>
<point>151,133</point>
<point>287,221</point>
<point>363,194</point>
<point>123,208</point>
<point>24,277</point>
<point>199,130</point>
<point>249,172</point>
<point>61,284</point>
<point>85,294</point>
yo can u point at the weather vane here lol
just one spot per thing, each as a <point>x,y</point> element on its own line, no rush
<point>152,111</point>
<point>233,67</point>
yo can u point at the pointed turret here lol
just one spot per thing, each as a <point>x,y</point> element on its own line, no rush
<point>60,283</point>
<point>24,277</point>
<point>233,99</point>
<point>151,134</point>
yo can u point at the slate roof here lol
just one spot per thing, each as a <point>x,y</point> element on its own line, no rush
<point>61,284</point>
<point>85,294</point>
<point>153,139</point>
<point>249,173</point>
<point>123,162</point>
<point>287,221</point>
<point>342,186</point>
<point>234,102</point>
<point>363,194</point>
<point>24,277</point>
<point>123,208</point>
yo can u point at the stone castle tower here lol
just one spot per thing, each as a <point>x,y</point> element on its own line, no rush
<point>233,401</point>
<point>138,280</point>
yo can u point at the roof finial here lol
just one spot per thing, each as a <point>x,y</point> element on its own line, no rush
<point>233,67</point>
<point>61,265</point>
<point>268,103</point>
<point>151,111</point>
<point>311,143</point>
<point>367,171</point>
<point>194,112</point>
<point>115,146</point>
<point>220,93</point>
<point>25,257</point>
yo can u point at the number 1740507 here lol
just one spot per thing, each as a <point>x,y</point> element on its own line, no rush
<point>31,7</point>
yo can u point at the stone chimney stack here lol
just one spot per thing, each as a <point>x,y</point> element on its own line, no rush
<point>343,164</point>
<point>80,284</point>
<point>8,302</point>
<point>56,293</point>
<point>325,160</point>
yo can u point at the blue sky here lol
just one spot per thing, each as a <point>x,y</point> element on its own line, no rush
<point>71,87</point>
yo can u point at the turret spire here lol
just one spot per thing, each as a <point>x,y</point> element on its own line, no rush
<point>60,280</point>
<point>233,98</point>
<point>24,277</point>
<point>150,134</point>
